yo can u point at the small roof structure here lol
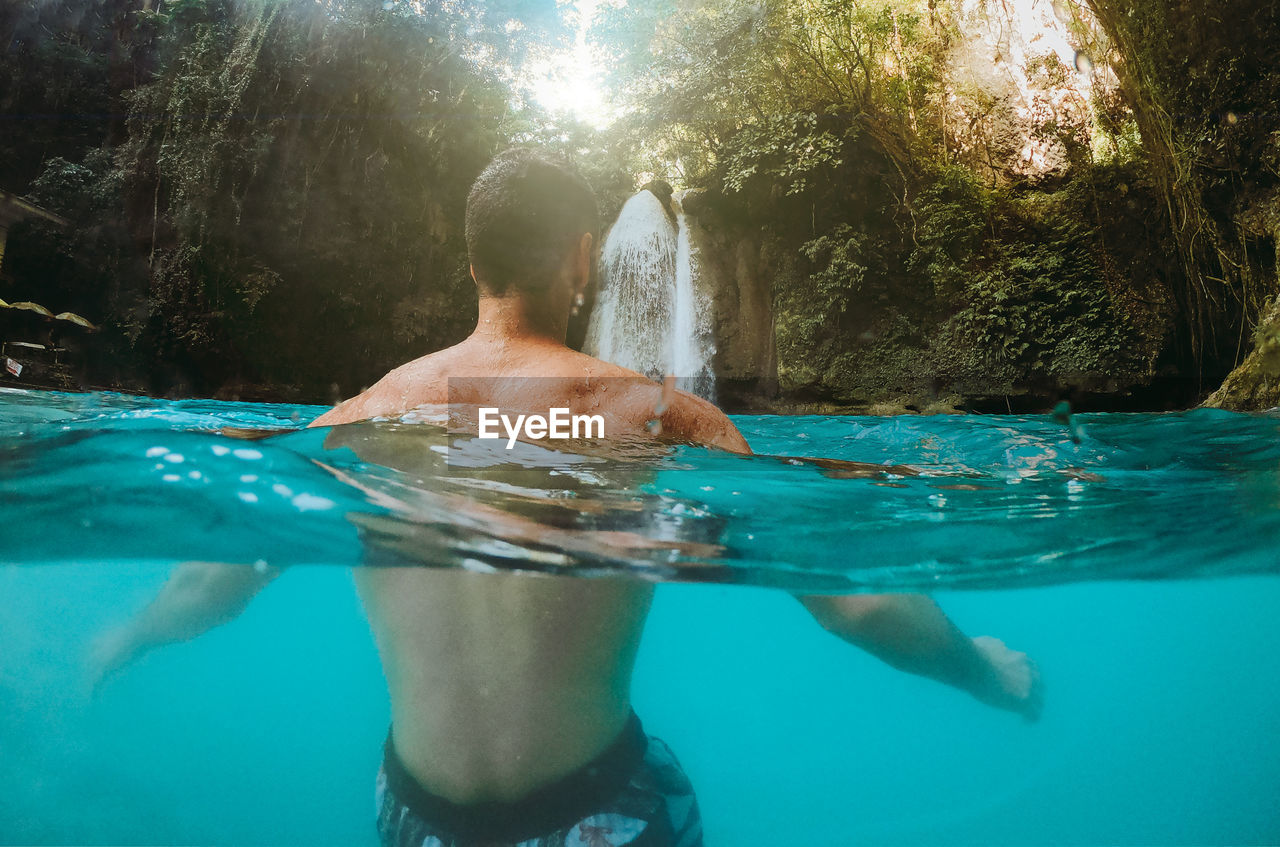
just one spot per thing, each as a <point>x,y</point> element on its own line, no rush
<point>70,317</point>
<point>13,209</point>
<point>75,319</point>
<point>28,306</point>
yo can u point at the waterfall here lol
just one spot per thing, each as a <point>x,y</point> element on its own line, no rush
<point>651,314</point>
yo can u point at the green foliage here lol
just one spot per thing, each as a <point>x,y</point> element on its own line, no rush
<point>809,311</point>
<point>59,76</point>
<point>733,90</point>
<point>1043,309</point>
<point>993,290</point>
<point>949,218</point>
<point>791,150</point>
<point>284,202</point>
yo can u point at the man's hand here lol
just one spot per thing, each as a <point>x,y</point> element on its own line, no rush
<point>1013,682</point>
<point>910,632</point>
<point>197,597</point>
<point>110,653</point>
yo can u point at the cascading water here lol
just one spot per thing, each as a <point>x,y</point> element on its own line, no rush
<point>651,315</point>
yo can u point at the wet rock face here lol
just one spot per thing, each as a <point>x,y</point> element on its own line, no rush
<point>662,189</point>
<point>659,188</point>
<point>737,273</point>
<point>1254,386</point>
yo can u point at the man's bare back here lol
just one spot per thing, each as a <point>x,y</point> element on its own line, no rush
<point>502,683</point>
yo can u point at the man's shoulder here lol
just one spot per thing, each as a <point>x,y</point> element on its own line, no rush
<point>413,384</point>
<point>684,415</point>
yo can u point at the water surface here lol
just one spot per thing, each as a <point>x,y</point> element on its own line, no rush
<point>941,502</point>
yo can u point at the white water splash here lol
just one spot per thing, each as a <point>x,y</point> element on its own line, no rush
<point>651,314</point>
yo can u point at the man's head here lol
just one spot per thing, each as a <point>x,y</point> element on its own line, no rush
<point>526,217</point>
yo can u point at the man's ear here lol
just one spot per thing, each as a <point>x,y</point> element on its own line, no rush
<point>582,263</point>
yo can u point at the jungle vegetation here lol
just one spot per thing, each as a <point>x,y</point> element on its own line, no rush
<point>268,194</point>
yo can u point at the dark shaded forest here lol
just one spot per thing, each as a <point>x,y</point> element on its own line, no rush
<point>266,196</point>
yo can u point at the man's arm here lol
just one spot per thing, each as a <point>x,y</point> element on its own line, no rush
<point>907,631</point>
<point>910,632</point>
<point>197,597</point>
<point>688,416</point>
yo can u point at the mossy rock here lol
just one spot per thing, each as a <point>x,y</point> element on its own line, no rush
<point>1255,385</point>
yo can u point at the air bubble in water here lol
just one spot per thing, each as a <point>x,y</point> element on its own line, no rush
<point>1084,64</point>
<point>311,503</point>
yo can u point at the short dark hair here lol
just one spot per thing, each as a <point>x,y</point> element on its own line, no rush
<point>526,210</point>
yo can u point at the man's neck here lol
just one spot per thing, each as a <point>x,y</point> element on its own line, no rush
<point>510,319</point>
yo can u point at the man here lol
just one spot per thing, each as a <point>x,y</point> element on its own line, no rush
<point>510,693</point>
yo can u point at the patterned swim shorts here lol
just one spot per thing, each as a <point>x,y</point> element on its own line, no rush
<point>634,793</point>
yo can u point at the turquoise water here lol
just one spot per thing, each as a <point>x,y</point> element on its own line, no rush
<point>977,501</point>
<point>1159,725</point>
